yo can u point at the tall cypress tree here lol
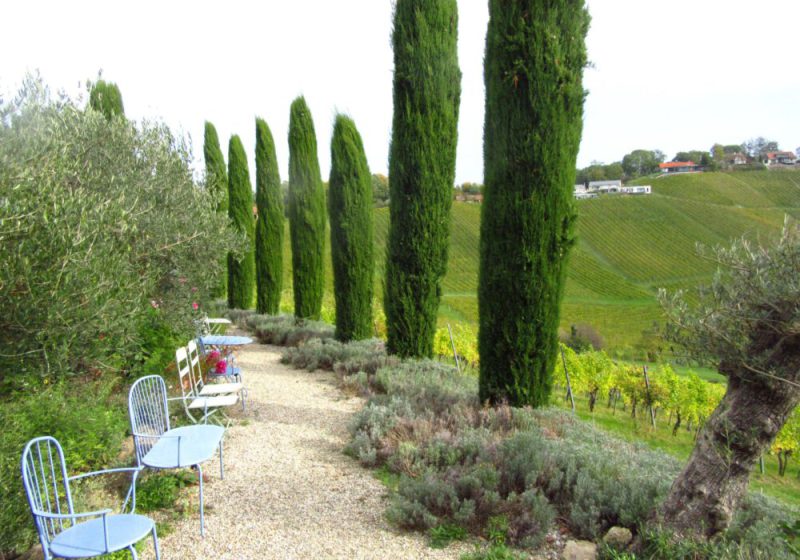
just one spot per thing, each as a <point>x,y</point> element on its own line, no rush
<point>106,98</point>
<point>216,172</point>
<point>269,225</point>
<point>427,92</point>
<point>306,213</point>
<point>241,271</point>
<point>217,185</point>
<point>350,203</point>
<point>535,55</point>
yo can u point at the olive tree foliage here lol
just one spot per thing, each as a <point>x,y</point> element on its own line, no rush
<point>90,236</point>
<point>747,324</point>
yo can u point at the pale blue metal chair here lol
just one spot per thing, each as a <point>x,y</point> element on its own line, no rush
<point>160,447</point>
<point>65,533</point>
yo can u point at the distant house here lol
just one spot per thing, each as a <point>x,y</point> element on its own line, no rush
<point>678,167</point>
<point>780,158</point>
<point>637,189</point>
<point>467,197</point>
<point>598,188</point>
<point>604,187</point>
<point>736,159</point>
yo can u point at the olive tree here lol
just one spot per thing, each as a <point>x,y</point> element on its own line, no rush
<point>90,239</point>
<point>747,324</point>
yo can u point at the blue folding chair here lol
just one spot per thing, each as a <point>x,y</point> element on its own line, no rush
<point>65,533</point>
<point>160,447</point>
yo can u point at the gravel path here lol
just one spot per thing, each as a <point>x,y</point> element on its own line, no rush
<point>289,491</point>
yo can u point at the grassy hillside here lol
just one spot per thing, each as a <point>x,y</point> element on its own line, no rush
<point>628,247</point>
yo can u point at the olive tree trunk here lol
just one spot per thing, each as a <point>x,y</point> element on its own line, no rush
<point>705,495</point>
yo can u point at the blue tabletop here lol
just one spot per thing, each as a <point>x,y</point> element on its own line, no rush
<point>224,340</point>
<point>185,446</point>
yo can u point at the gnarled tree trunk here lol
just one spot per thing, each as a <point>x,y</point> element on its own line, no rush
<point>704,497</point>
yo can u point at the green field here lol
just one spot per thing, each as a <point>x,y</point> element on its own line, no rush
<point>627,248</point>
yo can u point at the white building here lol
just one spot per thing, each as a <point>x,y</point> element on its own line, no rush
<point>637,189</point>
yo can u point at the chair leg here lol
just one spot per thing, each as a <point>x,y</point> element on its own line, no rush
<point>221,466</point>
<point>155,543</point>
<point>133,552</point>
<point>200,478</point>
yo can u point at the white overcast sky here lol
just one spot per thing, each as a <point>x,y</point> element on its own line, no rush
<point>667,74</point>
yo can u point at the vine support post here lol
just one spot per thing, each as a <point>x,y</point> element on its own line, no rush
<point>569,385</point>
<point>649,398</point>
<point>453,344</point>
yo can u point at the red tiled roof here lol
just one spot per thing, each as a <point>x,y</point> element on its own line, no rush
<point>671,164</point>
<point>773,155</point>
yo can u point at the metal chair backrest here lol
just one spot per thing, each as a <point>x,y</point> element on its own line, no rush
<point>149,413</point>
<point>44,476</point>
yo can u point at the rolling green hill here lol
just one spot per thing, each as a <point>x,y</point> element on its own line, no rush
<point>628,247</point>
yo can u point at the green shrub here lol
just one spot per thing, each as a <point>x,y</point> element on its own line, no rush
<point>325,353</point>
<point>286,330</point>
<point>90,421</point>
<point>160,490</point>
<point>442,535</point>
<point>505,473</point>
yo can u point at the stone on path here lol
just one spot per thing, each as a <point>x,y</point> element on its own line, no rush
<point>580,550</point>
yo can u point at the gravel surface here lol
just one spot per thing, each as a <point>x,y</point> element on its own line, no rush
<point>289,491</point>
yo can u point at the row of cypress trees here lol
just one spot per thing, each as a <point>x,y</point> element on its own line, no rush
<point>535,55</point>
<point>350,211</point>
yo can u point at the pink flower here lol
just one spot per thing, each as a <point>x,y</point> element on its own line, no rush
<point>154,304</point>
<point>221,367</point>
<point>195,306</point>
<point>194,288</point>
<point>214,355</point>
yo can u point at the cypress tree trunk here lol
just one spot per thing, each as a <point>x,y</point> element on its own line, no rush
<point>535,55</point>
<point>269,225</point>
<point>306,213</point>
<point>350,202</point>
<point>427,92</point>
<point>106,98</point>
<point>241,271</point>
<point>217,184</point>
